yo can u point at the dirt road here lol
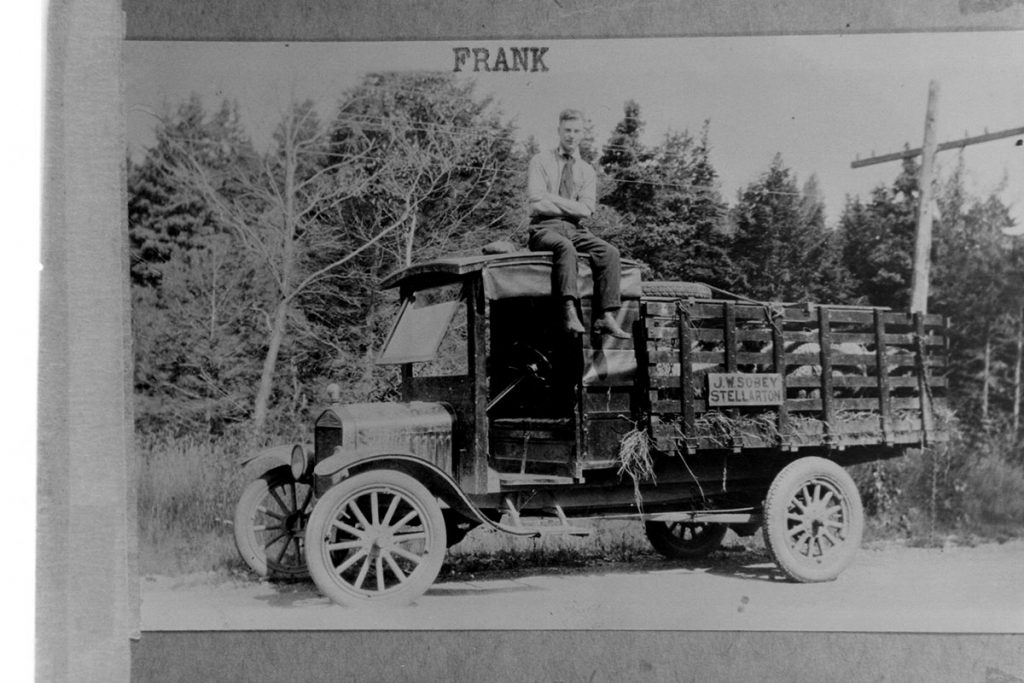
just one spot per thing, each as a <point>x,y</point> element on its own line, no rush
<point>956,589</point>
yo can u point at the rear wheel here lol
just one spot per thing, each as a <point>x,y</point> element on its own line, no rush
<point>377,537</point>
<point>685,540</point>
<point>269,524</point>
<point>813,520</point>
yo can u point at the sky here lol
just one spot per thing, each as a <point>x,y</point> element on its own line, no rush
<point>820,101</point>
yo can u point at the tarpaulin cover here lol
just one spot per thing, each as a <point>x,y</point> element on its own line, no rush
<point>532,277</point>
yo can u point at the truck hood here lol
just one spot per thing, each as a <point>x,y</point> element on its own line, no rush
<point>418,428</point>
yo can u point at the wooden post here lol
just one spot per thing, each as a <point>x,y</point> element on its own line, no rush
<point>825,356</point>
<point>776,318</point>
<point>923,236</point>
<point>686,376</point>
<point>731,350</point>
<point>472,470</point>
<point>884,396</point>
<point>927,416</point>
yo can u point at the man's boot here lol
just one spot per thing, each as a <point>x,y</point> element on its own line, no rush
<point>610,326</point>
<point>572,320</point>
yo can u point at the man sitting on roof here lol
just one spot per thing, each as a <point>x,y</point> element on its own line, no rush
<point>562,191</point>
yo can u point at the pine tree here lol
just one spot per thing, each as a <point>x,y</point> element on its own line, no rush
<point>878,240</point>
<point>164,216</point>
<point>622,161</point>
<point>829,280</point>
<point>666,202</point>
<point>780,238</point>
<point>976,281</point>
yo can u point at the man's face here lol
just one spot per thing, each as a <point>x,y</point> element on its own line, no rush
<point>570,132</point>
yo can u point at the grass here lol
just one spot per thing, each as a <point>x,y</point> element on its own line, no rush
<point>186,497</point>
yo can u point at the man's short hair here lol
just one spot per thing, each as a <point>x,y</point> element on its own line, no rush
<point>571,115</point>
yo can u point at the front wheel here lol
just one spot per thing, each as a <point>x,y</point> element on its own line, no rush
<point>685,540</point>
<point>270,521</point>
<point>377,537</point>
<point>813,520</point>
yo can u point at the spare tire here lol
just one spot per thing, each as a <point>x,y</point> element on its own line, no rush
<point>676,290</point>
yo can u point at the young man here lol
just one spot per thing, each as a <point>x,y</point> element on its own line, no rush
<point>562,191</point>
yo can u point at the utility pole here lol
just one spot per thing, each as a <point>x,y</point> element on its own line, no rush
<point>923,235</point>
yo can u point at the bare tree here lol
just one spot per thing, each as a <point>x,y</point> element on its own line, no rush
<point>448,164</point>
<point>276,207</point>
<point>410,179</point>
<point>444,165</point>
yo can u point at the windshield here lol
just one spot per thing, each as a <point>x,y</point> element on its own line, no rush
<point>421,326</point>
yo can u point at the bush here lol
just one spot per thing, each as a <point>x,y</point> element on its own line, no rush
<point>995,491</point>
<point>974,484</point>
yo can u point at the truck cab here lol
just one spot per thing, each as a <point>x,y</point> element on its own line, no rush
<point>532,403</point>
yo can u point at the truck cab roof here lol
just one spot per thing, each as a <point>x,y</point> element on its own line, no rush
<point>510,275</point>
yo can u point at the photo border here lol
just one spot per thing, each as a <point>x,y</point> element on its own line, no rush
<point>87,619</point>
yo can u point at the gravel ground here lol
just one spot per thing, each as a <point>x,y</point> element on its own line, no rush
<point>888,587</point>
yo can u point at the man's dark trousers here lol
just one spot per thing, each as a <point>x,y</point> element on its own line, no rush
<point>566,239</point>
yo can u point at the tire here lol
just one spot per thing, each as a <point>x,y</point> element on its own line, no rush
<point>376,538</point>
<point>685,540</point>
<point>813,520</point>
<point>270,521</point>
<point>680,290</point>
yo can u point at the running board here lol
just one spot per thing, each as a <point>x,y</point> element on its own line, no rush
<point>563,528</point>
<point>737,516</point>
<point>706,517</point>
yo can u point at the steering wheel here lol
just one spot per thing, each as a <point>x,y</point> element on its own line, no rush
<point>528,363</point>
<point>531,363</point>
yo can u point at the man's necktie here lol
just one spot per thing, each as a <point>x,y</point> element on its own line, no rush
<point>566,185</point>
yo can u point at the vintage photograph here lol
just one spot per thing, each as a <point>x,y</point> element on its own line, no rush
<point>685,334</point>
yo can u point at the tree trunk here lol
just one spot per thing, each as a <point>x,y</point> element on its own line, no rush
<point>410,239</point>
<point>262,403</point>
<point>984,377</point>
<point>371,304</point>
<point>1016,373</point>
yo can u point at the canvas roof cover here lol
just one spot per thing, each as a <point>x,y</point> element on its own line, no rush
<point>518,274</point>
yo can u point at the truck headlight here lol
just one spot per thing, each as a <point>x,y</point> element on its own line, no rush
<point>300,462</point>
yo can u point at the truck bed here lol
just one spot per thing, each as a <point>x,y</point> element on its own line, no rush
<point>849,376</point>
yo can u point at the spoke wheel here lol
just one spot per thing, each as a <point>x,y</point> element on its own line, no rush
<point>684,540</point>
<point>270,522</point>
<point>377,537</point>
<point>814,520</point>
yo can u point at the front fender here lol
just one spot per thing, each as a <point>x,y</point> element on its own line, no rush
<point>343,464</point>
<point>333,466</point>
<point>256,465</point>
